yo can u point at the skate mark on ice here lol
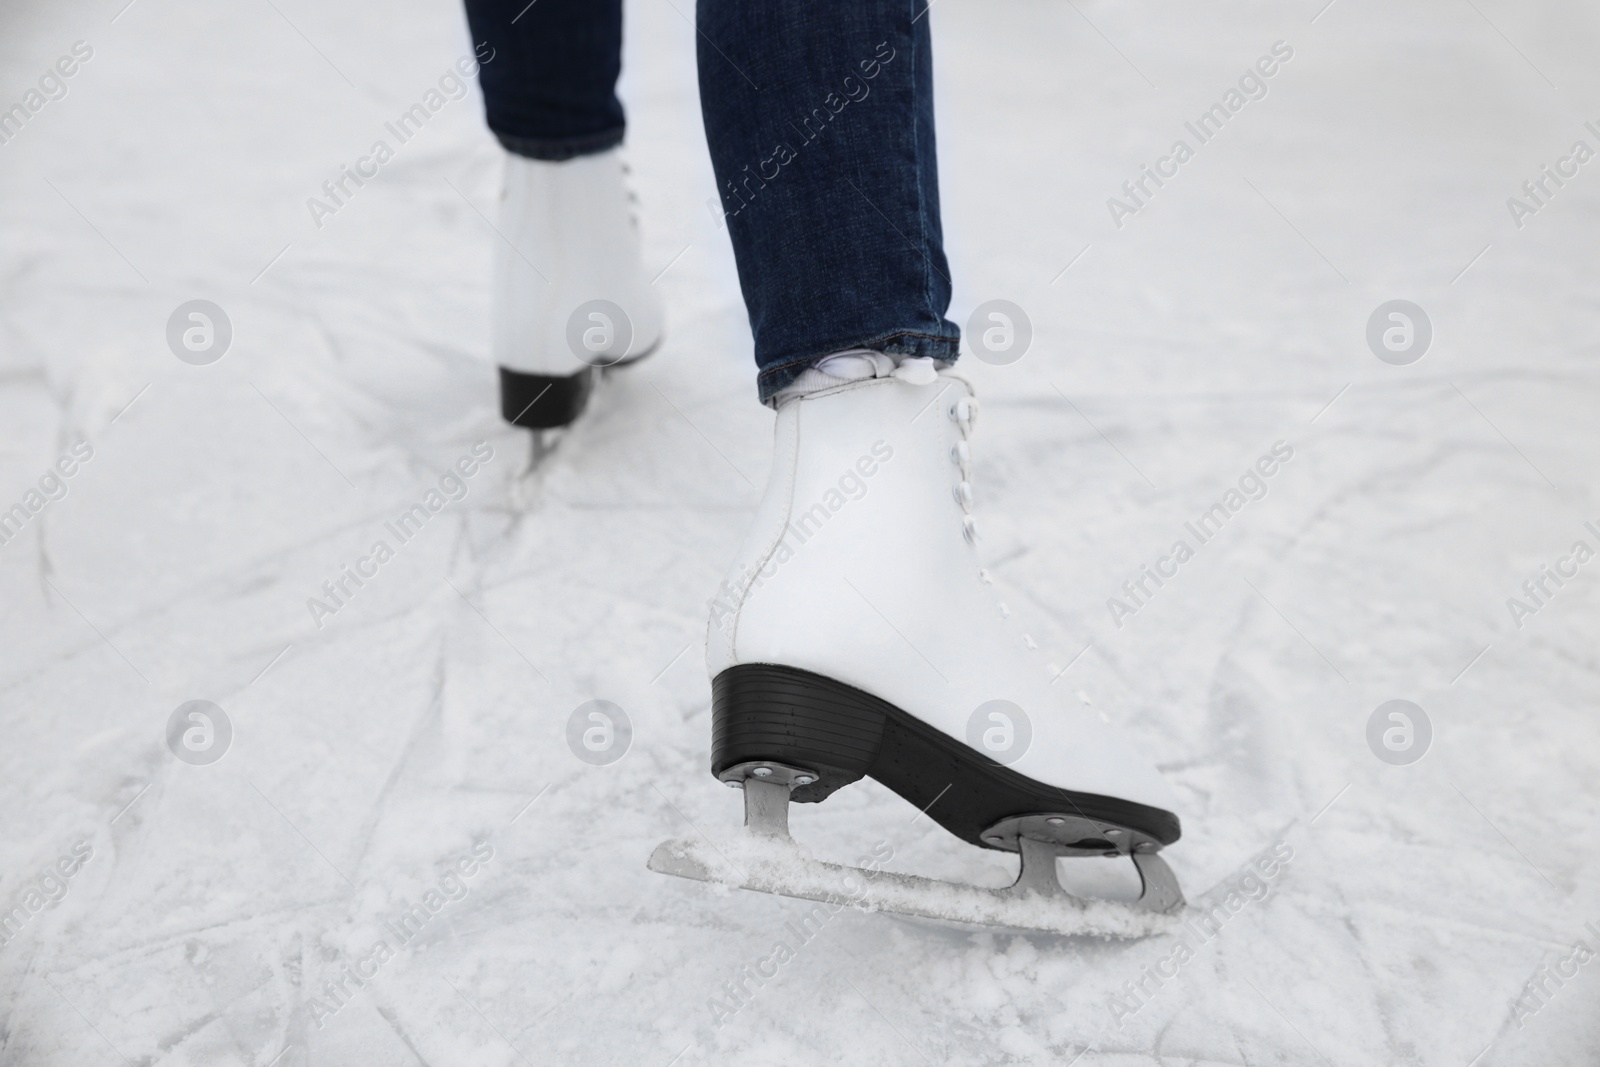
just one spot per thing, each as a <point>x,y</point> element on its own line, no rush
<point>95,628</point>
<point>394,1024</point>
<point>1103,437</point>
<point>1503,836</point>
<point>85,1018</point>
<point>1285,1018</point>
<point>303,837</point>
<point>1295,628</point>
<point>1503,436</point>
<point>496,629</point>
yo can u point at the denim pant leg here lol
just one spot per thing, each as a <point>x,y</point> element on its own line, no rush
<point>819,115</point>
<point>550,88</point>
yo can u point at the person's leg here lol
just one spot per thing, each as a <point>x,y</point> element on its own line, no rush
<point>549,89</point>
<point>819,117</point>
<point>856,633</point>
<point>570,291</point>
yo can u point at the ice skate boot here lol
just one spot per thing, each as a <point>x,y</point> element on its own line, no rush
<point>857,635</point>
<point>571,296</point>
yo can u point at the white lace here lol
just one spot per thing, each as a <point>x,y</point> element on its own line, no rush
<point>964,413</point>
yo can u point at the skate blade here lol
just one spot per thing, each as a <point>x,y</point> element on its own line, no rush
<point>544,445</point>
<point>779,865</point>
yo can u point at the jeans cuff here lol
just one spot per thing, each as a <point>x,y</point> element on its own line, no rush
<point>943,347</point>
<point>556,149</point>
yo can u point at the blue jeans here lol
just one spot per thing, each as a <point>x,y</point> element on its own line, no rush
<point>819,115</point>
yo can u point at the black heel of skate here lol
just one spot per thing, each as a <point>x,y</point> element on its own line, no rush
<point>544,401</point>
<point>551,401</point>
<point>761,712</point>
<point>795,718</point>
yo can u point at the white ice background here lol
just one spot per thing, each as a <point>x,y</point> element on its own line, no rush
<point>369,753</point>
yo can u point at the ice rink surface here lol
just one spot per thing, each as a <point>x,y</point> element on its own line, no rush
<point>1428,913</point>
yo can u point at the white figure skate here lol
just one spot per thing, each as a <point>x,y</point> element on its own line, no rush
<point>857,635</point>
<point>571,295</point>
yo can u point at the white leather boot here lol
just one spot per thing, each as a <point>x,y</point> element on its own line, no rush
<point>571,295</point>
<point>857,635</point>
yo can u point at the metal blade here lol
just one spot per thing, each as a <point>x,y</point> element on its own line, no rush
<point>769,864</point>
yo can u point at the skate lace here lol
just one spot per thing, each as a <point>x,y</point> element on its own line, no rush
<point>964,413</point>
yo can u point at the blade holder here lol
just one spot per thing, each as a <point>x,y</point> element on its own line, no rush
<point>1042,838</point>
<point>766,787</point>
